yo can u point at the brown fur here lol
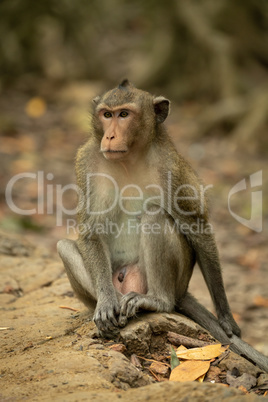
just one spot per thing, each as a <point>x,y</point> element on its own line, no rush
<point>129,143</point>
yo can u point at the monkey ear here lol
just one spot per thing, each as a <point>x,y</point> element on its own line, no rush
<point>97,99</point>
<point>161,108</point>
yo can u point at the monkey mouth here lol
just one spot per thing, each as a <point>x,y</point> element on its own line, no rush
<point>114,151</point>
<point>114,154</point>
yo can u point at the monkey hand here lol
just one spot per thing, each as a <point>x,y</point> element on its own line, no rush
<point>105,315</point>
<point>229,326</point>
<point>132,302</point>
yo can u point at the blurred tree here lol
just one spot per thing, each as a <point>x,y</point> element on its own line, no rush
<point>215,52</point>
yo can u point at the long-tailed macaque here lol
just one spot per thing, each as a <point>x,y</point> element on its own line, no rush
<point>143,220</point>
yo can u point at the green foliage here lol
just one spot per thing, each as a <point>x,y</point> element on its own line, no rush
<point>174,361</point>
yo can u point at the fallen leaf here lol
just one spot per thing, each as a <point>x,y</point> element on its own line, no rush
<point>159,368</point>
<point>250,259</point>
<point>237,317</point>
<point>174,361</point>
<point>181,347</point>
<point>205,353</point>
<point>35,107</point>
<point>201,379</point>
<point>260,301</point>
<point>243,389</point>
<point>189,370</point>
<point>118,347</point>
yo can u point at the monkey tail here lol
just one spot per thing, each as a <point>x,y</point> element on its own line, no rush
<point>190,307</point>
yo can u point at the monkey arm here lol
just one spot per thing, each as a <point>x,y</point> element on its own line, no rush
<point>191,209</point>
<point>97,266</point>
<point>207,257</point>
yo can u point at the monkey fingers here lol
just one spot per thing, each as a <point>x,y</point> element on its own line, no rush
<point>132,302</point>
<point>105,316</point>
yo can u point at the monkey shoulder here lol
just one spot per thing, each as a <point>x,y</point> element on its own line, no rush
<point>177,166</point>
<point>187,191</point>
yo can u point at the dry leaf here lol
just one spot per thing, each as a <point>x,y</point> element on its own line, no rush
<point>118,347</point>
<point>35,107</point>
<point>250,259</point>
<point>189,370</point>
<point>159,368</point>
<point>260,301</point>
<point>243,389</point>
<point>181,348</point>
<point>201,379</point>
<point>205,353</point>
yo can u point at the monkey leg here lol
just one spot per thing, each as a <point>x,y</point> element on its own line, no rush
<point>76,272</point>
<point>165,259</point>
<point>81,281</point>
<point>190,307</point>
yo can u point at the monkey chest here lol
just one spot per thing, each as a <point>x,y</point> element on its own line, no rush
<point>124,237</point>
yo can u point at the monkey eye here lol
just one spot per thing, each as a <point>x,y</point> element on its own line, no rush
<point>107,115</point>
<point>123,114</point>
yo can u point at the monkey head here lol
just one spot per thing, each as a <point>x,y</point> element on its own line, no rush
<point>122,114</point>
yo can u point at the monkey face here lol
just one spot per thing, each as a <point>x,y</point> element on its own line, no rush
<point>122,114</point>
<point>118,124</point>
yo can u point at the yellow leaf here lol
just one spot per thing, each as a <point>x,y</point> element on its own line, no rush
<point>189,370</point>
<point>205,353</point>
<point>201,379</point>
<point>35,107</point>
<point>260,301</point>
<point>181,348</point>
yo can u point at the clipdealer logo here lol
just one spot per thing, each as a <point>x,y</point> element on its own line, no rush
<point>49,191</point>
<point>255,220</point>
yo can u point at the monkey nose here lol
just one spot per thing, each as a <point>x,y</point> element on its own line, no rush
<point>110,137</point>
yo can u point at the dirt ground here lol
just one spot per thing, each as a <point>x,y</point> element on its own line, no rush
<point>41,350</point>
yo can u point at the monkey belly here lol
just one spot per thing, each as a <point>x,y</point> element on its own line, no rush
<point>129,279</point>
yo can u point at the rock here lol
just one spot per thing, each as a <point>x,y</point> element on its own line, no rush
<point>15,245</point>
<point>147,333</point>
<point>232,361</point>
<point>161,392</point>
<point>245,380</point>
<point>51,353</point>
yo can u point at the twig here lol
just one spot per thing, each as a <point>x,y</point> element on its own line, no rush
<point>152,360</point>
<point>154,375</point>
<point>177,340</point>
<point>69,308</point>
